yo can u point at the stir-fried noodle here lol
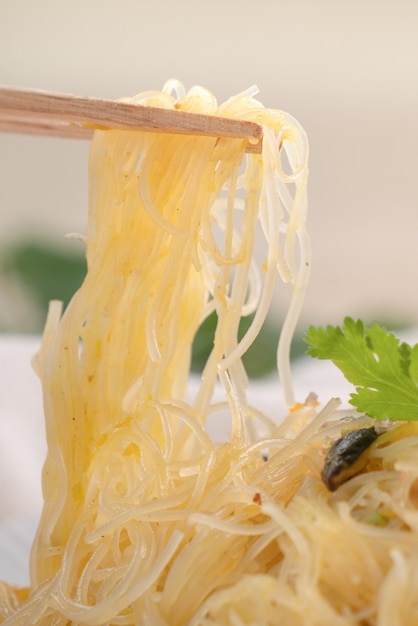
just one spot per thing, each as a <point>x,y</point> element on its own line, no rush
<point>146,520</point>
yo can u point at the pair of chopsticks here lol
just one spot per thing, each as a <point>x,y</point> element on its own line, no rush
<point>30,111</point>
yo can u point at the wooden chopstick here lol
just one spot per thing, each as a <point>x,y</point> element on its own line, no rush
<point>37,112</point>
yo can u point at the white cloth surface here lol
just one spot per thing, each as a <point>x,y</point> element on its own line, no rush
<point>22,434</point>
<point>22,452</point>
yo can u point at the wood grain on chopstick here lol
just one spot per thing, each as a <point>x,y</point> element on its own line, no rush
<point>39,112</point>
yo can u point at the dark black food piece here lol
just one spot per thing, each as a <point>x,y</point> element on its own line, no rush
<point>346,457</point>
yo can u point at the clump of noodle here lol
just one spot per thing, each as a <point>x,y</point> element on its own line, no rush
<point>146,520</point>
<point>114,368</point>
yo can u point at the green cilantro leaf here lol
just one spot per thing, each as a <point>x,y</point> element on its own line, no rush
<point>384,370</point>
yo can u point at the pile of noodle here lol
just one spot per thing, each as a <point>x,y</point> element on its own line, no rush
<point>146,520</point>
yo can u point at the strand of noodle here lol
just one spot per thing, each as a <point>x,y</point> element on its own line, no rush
<point>148,538</point>
<point>239,376</point>
<point>141,487</point>
<point>239,431</point>
<point>271,212</point>
<point>188,416</point>
<point>291,320</point>
<point>156,303</point>
<point>163,516</point>
<point>200,99</point>
<point>297,152</point>
<point>54,470</point>
<point>252,429</point>
<point>360,616</point>
<point>108,502</point>
<point>246,108</point>
<point>254,284</point>
<point>191,470</point>
<point>393,451</point>
<point>253,412</point>
<point>208,245</point>
<point>237,371</point>
<point>207,240</point>
<point>36,608</point>
<point>358,551</point>
<point>96,490</point>
<point>134,513</point>
<point>284,522</point>
<point>201,480</point>
<point>175,86</point>
<point>268,423</point>
<point>150,208</point>
<point>171,190</point>
<point>289,244</point>
<point>253,291</point>
<point>259,545</point>
<point>246,456</point>
<point>240,283</point>
<point>210,274</point>
<point>9,603</point>
<point>180,411</point>
<point>54,508</point>
<point>333,427</point>
<point>225,497</point>
<point>393,586</point>
<point>286,198</point>
<point>202,477</point>
<point>297,170</point>
<point>69,558</point>
<point>204,394</point>
<point>363,487</point>
<point>130,590</point>
<point>82,589</point>
<point>156,462</point>
<point>408,516</point>
<point>152,98</point>
<point>269,280</point>
<point>58,467</point>
<point>147,611</point>
<point>230,528</point>
<point>386,535</point>
<point>225,220</point>
<point>51,325</point>
<point>308,431</point>
<point>142,551</point>
<point>249,93</point>
<point>167,429</point>
<point>259,318</point>
<point>296,223</point>
<point>221,340</point>
<point>106,495</point>
<point>130,399</point>
<point>160,303</point>
<point>239,289</point>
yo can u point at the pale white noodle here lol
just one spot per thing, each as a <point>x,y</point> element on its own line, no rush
<point>146,519</point>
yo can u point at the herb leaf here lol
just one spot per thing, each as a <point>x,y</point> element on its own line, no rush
<point>384,370</point>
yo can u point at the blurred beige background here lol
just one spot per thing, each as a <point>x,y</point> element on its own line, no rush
<point>348,70</point>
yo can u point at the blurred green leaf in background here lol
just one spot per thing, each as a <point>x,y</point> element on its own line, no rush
<point>38,273</point>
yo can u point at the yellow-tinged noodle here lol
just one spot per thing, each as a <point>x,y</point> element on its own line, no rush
<point>146,520</point>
